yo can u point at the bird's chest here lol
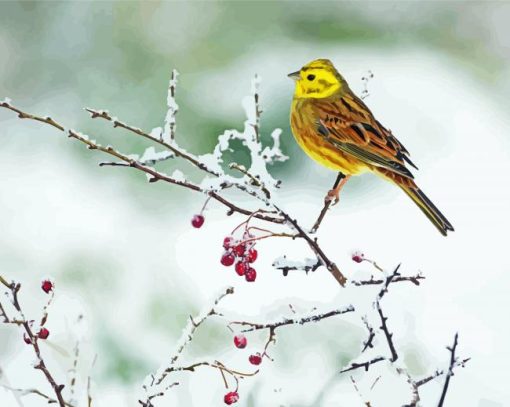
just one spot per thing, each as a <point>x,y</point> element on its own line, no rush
<point>303,123</point>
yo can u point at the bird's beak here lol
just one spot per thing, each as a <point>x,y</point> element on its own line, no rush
<point>294,75</point>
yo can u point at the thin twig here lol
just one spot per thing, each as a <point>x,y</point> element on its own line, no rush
<point>449,374</point>
<point>25,392</point>
<point>252,326</point>
<point>413,279</point>
<point>384,326</point>
<point>364,365</point>
<point>371,335</point>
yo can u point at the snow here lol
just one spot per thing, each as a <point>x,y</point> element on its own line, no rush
<point>151,156</point>
<point>173,108</point>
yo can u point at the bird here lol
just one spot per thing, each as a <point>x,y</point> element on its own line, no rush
<point>335,128</point>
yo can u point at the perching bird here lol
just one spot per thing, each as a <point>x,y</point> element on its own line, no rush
<point>335,128</point>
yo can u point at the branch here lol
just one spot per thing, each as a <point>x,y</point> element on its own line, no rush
<point>33,338</point>
<point>24,392</point>
<point>371,335</point>
<point>292,321</point>
<point>154,175</point>
<point>413,279</point>
<point>449,374</point>
<point>186,338</point>
<point>437,373</point>
<point>365,365</point>
<point>286,266</point>
<point>384,327</point>
<point>330,266</point>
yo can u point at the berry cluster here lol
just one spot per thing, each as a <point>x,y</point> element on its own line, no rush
<point>242,253</point>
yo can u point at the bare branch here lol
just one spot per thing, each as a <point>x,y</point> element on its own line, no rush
<point>371,335</point>
<point>292,321</point>
<point>384,326</point>
<point>449,374</point>
<point>372,281</point>
<point>364,365</point>
<point>330,266</point>
<point>25,392</point>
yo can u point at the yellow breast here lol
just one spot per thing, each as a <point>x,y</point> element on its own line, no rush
<point>304,128</point>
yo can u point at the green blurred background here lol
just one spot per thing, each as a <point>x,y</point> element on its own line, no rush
<point>110,240</point>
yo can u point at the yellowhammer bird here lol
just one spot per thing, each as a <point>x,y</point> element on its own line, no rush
<point>335,128</point>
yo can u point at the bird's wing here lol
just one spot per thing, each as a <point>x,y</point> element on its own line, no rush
<point>348,124</point>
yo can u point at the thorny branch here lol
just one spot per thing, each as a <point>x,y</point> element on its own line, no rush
<point>372,281</point>
<point>384,326</point>
<point>449,374</point>
<point>251,326</point>
<point>454,362</point>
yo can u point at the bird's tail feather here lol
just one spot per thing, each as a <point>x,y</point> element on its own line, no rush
<point>428,208</point>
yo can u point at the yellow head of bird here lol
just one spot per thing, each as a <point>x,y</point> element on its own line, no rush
<point>317,79</point>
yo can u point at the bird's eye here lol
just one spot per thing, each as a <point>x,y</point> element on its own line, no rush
<point>310,77</point>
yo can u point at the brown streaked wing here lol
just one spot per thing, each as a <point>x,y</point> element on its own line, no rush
<point>348,124</point>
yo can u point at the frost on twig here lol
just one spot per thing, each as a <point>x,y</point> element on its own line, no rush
<point>250,138</point>
<point>168,134</point>
<point>286,265</point>
<point>193,324</point>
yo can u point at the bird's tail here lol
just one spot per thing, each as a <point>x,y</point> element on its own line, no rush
<point>427,207</point>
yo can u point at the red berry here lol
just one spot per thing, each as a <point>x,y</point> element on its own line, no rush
<point>252,255</point>
<point>240,341</point>
<point>228,242</point>
<point>239,250</point>
<point>47,286</point>
<point>227,259</point>
<point>27,340</point>
<point>250,275</point>
<point>358,257</point>
<point>231,398</point>
<point>43,333</point>
<point>241,268</point>
<point>255,359</point>
<point>197,221</point>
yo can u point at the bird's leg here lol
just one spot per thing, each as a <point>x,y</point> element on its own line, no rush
<point>333,195</point>
<point>340,180</point>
